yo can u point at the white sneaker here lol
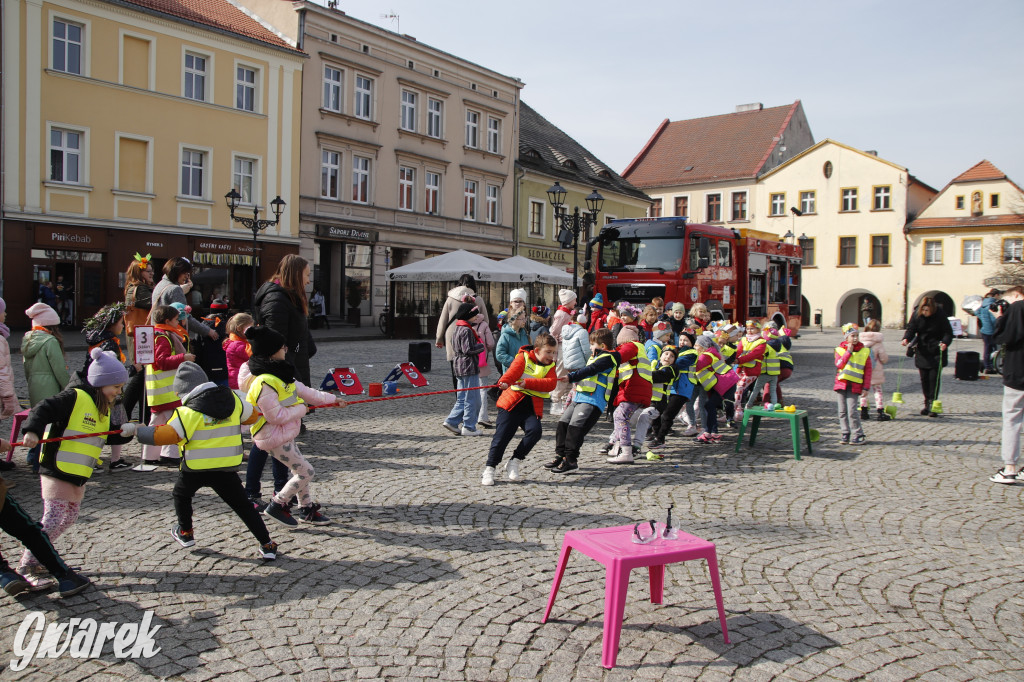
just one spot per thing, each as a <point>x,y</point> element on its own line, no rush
<point>557,409</point>
<point>690,431</point>
<point>488,477</point>
<point>453,429</point>
<point>625,456</point>
<point>471,432</point>
<point>512,468</point>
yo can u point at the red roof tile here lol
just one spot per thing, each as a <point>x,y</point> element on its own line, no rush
<point>725,147</point>
<point>1008,220</point>
<point>217,14</point>
<point>983,170</point>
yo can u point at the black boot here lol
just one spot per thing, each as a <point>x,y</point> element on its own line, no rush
<point>864,414</point>
<point>882,416</point>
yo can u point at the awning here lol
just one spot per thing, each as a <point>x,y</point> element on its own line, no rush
<point>205,258</point>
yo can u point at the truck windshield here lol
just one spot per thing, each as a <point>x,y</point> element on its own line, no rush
<point>642,254</point>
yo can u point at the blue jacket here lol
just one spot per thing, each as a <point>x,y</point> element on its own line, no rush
<point>985,317</point>
<point>602,366</point>
<point>509,344</point>
<point>683,386</point>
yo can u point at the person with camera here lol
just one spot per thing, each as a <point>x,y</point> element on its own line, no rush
<point>987,328</point>
<point>172,287</point>
<point>929,333</point>
<point>1009,331</point>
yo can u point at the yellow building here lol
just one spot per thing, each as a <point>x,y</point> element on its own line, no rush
<point>125,124</point>
<point>970,230</point>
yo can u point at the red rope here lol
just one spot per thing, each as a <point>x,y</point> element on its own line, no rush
<point>81,435</point>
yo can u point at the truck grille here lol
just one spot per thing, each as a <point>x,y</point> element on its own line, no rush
<point>635,293</point>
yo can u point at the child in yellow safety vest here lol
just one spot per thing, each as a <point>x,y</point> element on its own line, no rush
<point>68,464</point>
<point>207,426</point>
<point>634,392</point>
<point>169,340</point>
<point>771,368</point>
<point>749,354</point>
<point>853,375</point>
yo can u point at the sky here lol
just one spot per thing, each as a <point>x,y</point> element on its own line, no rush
<point>933,86</point>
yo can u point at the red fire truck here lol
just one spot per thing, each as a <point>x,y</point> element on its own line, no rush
<point>738,274</point>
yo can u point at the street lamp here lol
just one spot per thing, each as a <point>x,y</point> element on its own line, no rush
<point>255,224</point>
<point>572,225</point>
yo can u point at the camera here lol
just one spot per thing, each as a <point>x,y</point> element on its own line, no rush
<point>999,305</point>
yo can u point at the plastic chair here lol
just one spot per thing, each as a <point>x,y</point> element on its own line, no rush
<point>16,429</point>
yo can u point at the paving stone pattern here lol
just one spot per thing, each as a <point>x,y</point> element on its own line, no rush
<point>896,560</point>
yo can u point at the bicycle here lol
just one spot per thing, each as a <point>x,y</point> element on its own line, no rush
<point>384,320</point>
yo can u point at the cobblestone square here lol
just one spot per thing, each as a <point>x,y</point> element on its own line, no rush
<point>895,560</point>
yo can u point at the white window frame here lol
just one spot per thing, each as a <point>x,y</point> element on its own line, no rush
<point>406,188</point>
<point>363,98</point>
<point>242,85</point>
<point>472,129</point>
<point>883,193</point>
<point>541,212</point>
<point>408,110</point>
<point>82,51</point>
<point>492,203</point>
<point>238,174</point>
<point>778,203</point>
<point>80,163</point>
<point>206,74</point>
<point>435,118</point>
<point>808,202</point>
<point>469,197</point>
<point>493,135</point>
<point>361,168</point>
<point>849,199</point>
<point>432,192</point>
<point>333,93</point>
<point>1013,250</point>
<point>329,165</point>
<point>932,252</point>
<point>975,252</point>
<point>205,169</point>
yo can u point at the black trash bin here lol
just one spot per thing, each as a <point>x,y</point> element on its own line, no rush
<point>419,355</point>
<point>967,365</point>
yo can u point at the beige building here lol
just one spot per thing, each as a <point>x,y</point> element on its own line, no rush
<point>971,229</point>
<point>407,152</point>
<point>125,124</point>
<point>847,208</point>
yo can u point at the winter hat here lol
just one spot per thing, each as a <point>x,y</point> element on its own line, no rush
<point>581,319</point>
<point>517,294</point>
<point>671,349</point>
<point>467,311</point>
<point>850,328</point>
<point>188,377</point>
<point>218,304</point>
<point>502,316</point>
<point>43,315</point>
<point>264,341</point>
<point>566,296</point>
<point>105,369</point>
<point>688,335</point>
<point>183,311</point>
<point>541,310</point>
<point>107,316</point>
<point>627,334</point>
<point>597,301</point>
<point>678,307</point>
<point>661,329</point>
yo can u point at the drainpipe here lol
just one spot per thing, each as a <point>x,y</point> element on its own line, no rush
<point>519,174</point>
<point>906,278</point>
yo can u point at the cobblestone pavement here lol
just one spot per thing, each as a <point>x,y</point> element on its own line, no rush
<point>895,560</point>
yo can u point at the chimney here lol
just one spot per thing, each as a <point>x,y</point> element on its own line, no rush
<point>872,152</point>
<point>754,106</point>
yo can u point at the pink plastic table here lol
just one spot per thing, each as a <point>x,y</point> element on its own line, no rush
<point>16,428</point>
<point>614,548</point>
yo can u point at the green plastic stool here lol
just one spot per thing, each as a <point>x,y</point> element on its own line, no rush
<point>757,413</point>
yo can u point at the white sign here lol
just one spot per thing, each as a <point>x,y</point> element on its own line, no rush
<point>957,325</point>
<point>726,296</point>
<point>145,348</point>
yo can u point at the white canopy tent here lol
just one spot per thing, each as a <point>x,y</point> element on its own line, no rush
<point>535,271</point>
<point>449,267</point>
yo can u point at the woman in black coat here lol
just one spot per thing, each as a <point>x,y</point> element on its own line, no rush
<point>930,332</point>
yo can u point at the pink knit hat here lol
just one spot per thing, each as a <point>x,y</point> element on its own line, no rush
<point>43,315</point>
<point>627,334</point>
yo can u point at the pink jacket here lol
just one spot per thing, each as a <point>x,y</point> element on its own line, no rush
<point>484,332</point>
<point>879,359</point>
<point>283,423</point>
<point>236,356</point>
<point>723,381</point>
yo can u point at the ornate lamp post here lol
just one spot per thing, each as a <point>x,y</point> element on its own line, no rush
<point>256,225</point>
<point>572,225</point>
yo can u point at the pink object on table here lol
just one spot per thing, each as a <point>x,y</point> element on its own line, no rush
<point>615,548</point>
<point>16,429</point>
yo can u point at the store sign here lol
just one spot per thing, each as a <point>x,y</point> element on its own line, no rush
<point>210,246</point>
<point>545,254</point>
<point>346,233</point>
<point>71,238</point>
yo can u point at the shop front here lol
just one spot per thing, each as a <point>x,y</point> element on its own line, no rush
<point>547,294</point>
<point>343,270</point>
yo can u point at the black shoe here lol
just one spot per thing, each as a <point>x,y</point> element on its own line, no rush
<point>845,440</point>
<point>120,464</point>
<point>312,515</point>
<point>567,466</point>
<point>185,538</point>
<point>554,464</point>
<point>13,583</point>
<point>280,514</point>
<point>168,462</point>
<point>72,584</point>
<point>882,416</point>
<point>933,414</point>
<point>258,503</point>
<point>924,412</point>
<point>864,412</point>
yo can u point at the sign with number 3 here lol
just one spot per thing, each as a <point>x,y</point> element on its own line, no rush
<point>145,352</point>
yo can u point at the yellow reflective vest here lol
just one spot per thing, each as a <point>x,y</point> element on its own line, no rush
<point>534,370</point>
<point>78,457</point>
<point>160,383</point>
<point>210,444</point>
<point>854,368</point>
<point>770,364</point>
<point>603,381</point>
<point>706,376</point>
<point>286,395</point>
<point>748,347</point>
<point>690,374</point>
<point>640,362</point>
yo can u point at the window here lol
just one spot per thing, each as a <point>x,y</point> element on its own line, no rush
<point>493,135</point>
<point>739,205</point>
<point>808,247</point>
<point>408,110</point>
<point>195,76</point>
<point>472,124</point>
<point>536,218</point>
<point>67,46</point>
<point>364,98</point>
<point>406,181</point>
<point>655,210</point>
<point>847,250</point>
<point>778,203</point>
<point>434,109</point>
<point>714,207</point>
<point>332,89</point>
<point>432,186</point>
<point>682,206</point>
<point>724,253</point>
<point>469,200</point>
<point>65,155</point>
<point>245,89</point>
<point>807,202</point>
<point>330,174</point>
<point>492,204</point>
<point>883,194</point>
<point>960,202</point>
<point>972,251</point>
<point>880,249</point>
<point>993,200</point>
<point>933,252</point>
<point>1013,250</point>
<point>850,199</point>
<point>360,179</point>
<point>192,165</point>
<point>244,179</point>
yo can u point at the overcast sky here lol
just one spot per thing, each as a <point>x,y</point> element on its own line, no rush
<point>934,86</point>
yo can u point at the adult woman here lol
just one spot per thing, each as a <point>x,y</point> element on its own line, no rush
<point>446,323</point>
<point>138,295</point>
<point>172,287</point>
<point>931,334</point>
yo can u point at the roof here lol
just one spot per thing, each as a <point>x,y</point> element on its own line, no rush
<point>711,149</point>
<point>218,15</point>
<point>981,171</point>
<point>544,148</point>
<point>983,221</point>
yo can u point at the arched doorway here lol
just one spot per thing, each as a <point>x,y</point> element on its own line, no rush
<point>851,307</point>
<point>805,312</point>
<point>942,300</point>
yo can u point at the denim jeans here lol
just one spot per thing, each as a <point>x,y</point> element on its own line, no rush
<point>254,472</point>
<point>467,403</point>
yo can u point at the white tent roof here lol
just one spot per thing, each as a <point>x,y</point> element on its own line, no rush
<point>535,271</point>
<point>448,267</point>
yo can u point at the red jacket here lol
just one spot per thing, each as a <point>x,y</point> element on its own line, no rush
<point>757,353</point>
<point>598,319</point>
<point>635,389</point>
<point>509,398</point>
<point>841,384</point>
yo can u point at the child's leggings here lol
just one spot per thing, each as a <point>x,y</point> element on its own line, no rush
<point>622,432</point>
<point>58,516</point>
<point>879,398</point>
<point>152,453</point>
<point>769,380</point>
<point>302,473</point>
<point>741,386</point>
<point>16,523</point>
<point>784,374</point>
